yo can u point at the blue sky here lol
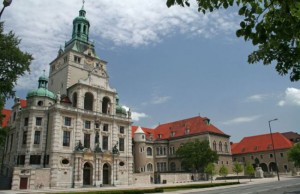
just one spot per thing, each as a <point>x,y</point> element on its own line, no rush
<point>166,64</point>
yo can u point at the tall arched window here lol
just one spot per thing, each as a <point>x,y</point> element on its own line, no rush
<point>173,166</point>
<point>149,151</point>
<point>149,167</point>
<point>88,101</point>
<point>74,99</point>
<point>226,147</point>
<point>220,146</point>
<point>78,28</point>
<point>106,105</point>
<point>214,146</point>
<point>84,29</point>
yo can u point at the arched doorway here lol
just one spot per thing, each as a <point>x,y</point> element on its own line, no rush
<point>264,167</point>
<point>272,167</point>
<point>87,174</point>
<point>106,174</point>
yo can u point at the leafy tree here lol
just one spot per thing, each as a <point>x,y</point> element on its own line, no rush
<point>272,25</point>
<point>13,64</point>
<point>294,154</point>
<point>237,168</point>
<point>195,155</point>
<point>210,170</point>
<point>223,171</point>
<point>249,170</point>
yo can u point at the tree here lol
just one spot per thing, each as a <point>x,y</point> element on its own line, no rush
<point>273,26</point>
<point>13,64</point>
<point>237,168</point>
<point>249,170</point>
<point>210,170</point>
<point>294,154</point>
<point>223,171</point>
<point>195,155</point>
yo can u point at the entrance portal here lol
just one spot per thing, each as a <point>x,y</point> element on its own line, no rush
<point>23,183</point>
<point>87,174</point>
<point>106,174</point>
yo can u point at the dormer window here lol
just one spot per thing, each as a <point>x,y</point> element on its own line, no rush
<point>172,134</point>
<point>187,131</point>
<point>159,136</point>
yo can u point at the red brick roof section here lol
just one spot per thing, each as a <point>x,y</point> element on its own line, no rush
<point>261,143</point>
<point>6,113</point>
<point>23,103</point>
<point>195,125</point>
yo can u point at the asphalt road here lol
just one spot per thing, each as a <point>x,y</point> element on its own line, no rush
<point>291,186</point>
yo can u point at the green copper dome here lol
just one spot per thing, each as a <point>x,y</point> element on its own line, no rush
<point>119,108</point>
<point>81,27</point>
<point>42,89</point>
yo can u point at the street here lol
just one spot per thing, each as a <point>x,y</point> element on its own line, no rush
<point>290,186</point>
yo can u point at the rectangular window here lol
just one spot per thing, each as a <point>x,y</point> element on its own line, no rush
<point>77,59</point>
<point>121,144</point>
<point>271,155</point>
<point>24,141</point>
<point>37,137</point>
<point>87,124</point>
<point>105,142</point>
<point>157,151</point>
<point>87,139</point>
<point>261,156</point>
<point>26,122</point>
<point>66,138</point>
<point>21,160</point>
<point>38,121</point>
<point>46,159</point>
<point>68,121</point>
<point>281,155</point>
<point>97,125</point>
<point>122,129</point>
<point>105,127</point>
<point>35,159</point>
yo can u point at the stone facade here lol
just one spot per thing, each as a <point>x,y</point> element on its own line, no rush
<point>73,133</point>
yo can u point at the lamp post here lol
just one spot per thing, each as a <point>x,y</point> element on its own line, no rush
<point>6,3</point>
<point>274,148</point>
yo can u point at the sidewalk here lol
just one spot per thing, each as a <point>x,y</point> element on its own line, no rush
<point>61,190</point>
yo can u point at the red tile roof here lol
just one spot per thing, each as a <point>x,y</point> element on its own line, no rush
<point>195,125</point>
<point>147,131</point>
<point>23,103</point>
<point>6,113</point>
<point>261,143</point>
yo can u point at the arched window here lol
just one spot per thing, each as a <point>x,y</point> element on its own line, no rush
<point>173,166</point>
<point>220,146</point>
<point>226,147</point>
<point>74,99</point>
<point>214,146</point>
<point>106,105</point>
<point>149,151</point>
<point>149,167</point>
<point>88,101</point>
<point>84,29</point>
<point>78,28</point>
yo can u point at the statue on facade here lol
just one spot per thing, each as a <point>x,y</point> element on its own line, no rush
<point>129,114</point>
<point>97,138</point>
<point>79,146</point>
<point>115,149</point>
<point>98,149</point>
<point>58,98</point>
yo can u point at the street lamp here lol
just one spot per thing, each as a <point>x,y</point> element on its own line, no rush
<point>274,148</point>
<point>6,3</point>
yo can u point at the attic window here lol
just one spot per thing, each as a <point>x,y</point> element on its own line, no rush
<point>187,131</point>
<point>173,134</point>
<point>207,121</point>
<point>255,148</point>
<point>159,136</point>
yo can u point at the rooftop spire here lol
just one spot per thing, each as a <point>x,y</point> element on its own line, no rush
<point>83,1</point>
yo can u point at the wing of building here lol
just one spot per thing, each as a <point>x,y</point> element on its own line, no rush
<point>258,150</point>
<point>72,131</point>
<point>154,149</point>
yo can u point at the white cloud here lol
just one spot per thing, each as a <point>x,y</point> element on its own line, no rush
<point>136,116</point>
<point>291,97</point>
<point>160,99</point>
<point>240,120</point>
<point>43,27</point>
<point>256,98</point>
